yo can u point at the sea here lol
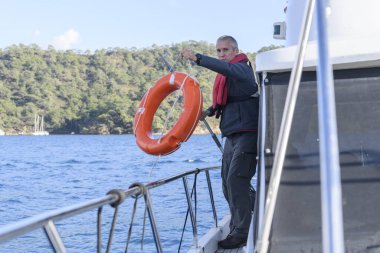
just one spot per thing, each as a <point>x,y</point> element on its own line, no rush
<point>42,173</point>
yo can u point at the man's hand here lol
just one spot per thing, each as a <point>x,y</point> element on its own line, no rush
<point>187,54</point>
<point>204,114</point>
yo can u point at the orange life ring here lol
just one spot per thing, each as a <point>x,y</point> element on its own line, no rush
<point>186,123</point>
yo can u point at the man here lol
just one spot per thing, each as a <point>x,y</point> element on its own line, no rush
<point>235,100</point>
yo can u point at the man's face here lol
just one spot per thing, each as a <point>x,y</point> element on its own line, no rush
<point>225,50</point>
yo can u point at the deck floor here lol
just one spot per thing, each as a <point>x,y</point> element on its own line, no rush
<point>209,242</point>
<point>239,250</point>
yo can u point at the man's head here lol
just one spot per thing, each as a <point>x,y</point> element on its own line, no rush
<point>226,48</point>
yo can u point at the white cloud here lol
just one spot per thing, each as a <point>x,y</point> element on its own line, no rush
<point>66,40</point>
<point>36,33</point>
<point>35,37</point>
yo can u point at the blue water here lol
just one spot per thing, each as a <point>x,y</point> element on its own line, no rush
<point>41,173</point>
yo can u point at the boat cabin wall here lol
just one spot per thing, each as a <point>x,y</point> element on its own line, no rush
<point>297,221</point>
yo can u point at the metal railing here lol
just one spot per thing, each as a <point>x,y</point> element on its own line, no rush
<point>115,197</point>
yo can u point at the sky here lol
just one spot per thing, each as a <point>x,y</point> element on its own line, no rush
<point>94,24</point>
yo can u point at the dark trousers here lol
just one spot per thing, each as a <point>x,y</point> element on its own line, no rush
<point>238,168</point>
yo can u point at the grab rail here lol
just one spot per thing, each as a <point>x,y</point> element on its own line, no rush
<point>287,118</point>
<point>114,198</point>
<point>331,188</point>
<point>331,201</point>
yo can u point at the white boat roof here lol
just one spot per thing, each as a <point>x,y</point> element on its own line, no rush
<point>353,29</point>
<point>350,54</point>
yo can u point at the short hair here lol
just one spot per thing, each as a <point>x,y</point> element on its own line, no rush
<point>230,39</point>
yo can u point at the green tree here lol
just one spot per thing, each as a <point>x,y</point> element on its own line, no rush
<point>92,93</point>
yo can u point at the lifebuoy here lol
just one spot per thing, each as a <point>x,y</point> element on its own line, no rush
<point>186,123</point>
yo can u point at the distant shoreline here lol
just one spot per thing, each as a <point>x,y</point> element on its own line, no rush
<point>29,134</point>
<point>198,131</point>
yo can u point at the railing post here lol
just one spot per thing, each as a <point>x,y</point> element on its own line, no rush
<point>54,238</point>
<point>99,231</point>
<point>192,216</point>
<point>211,197</point>
<point>152,220</point>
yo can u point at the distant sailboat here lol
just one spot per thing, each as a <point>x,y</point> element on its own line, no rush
<point>39,126</point>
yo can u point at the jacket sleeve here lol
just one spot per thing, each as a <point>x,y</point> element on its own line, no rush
<point>235,70</point>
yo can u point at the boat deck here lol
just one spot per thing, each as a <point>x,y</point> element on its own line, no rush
<point>209,242</point>
<point>239,250</point>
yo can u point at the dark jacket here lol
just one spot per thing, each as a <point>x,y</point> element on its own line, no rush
<point>241,111</point>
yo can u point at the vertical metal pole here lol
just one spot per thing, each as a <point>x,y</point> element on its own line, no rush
<point>152,220</point>
<point>262,133</point>
<point>192,216</point>
<point>214,137</point>
<point>54,238</point>
<point>211,197</point>
<point>257,217</point>
<point>112,230</point>
<point>99,232</point>
<point>286,122</point>
<point>332,217</point>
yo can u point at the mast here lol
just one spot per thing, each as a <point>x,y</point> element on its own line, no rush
<point>35,122</point>
<point>42,124</point>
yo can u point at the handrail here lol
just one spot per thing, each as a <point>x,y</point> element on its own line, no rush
<point>157,183</point>
<point>258,217</point>
<point>331,188</point>
<point>331,201</point>
<point>287,118</point>
<point>262,133</point>
<point>21,227</point>
<point>114,198</point>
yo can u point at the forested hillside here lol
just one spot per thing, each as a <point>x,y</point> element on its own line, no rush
<point>88,92</point>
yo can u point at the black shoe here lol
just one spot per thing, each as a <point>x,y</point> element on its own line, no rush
<point>232,242</point>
